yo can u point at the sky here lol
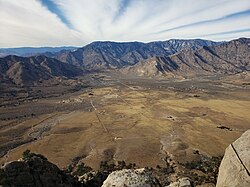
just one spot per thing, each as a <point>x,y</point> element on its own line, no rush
<point>37,23</point>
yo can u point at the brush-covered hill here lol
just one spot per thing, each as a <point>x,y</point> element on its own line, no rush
<point>29,70</point>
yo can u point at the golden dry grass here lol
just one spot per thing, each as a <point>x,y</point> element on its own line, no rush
<point>140,125</point>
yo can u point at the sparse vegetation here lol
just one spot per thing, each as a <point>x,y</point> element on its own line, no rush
<point>209,168</point>
<point>224,127</point>
<point>82,169</point>
<point>28,154</point>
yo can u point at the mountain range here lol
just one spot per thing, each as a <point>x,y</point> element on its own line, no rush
<point>31,51</point>
<point>172,57</point>
<point>226,58</point>
<point>102,55</point>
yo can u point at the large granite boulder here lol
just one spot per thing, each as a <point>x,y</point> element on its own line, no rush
<point>130,178</point>
<point>235,165</point>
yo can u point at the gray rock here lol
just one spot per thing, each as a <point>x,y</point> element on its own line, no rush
<point>183,182</point>
<point>86,177</point>
<point>130,178</point>
<point>235,165</point>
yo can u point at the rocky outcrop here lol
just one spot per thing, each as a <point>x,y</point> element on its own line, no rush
<point>183,182</point>
<point>130,178</point>
<point>35,171</point>
<point>235,165</point>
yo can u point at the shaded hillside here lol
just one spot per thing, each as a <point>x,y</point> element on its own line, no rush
<point>227,58</point>
<point>26,70</point>
<point>102,55</point>
<point>155,66</point>
<point>34,170</point>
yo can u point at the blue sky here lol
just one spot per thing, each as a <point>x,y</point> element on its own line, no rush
<point>78,22</point>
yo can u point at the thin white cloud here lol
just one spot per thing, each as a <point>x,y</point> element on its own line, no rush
<point>28,22</point>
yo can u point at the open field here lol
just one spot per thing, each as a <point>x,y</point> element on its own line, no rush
<point>137,120</point>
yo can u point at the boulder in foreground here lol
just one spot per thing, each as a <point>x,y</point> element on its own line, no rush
<point>235,165</point>
<point>130,178</point>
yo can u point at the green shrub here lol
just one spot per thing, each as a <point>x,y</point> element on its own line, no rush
<point>27,155</point>
<point>82,169</point>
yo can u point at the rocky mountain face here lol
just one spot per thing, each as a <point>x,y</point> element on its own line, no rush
<point>235,166</point>
<point>102,55</point>
<point>227,58</point>
<point>28,70</point>
<point>155,66</point>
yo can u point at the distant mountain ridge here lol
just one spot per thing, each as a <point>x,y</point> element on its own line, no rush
<point>227,58</point>
<point>31,51</point>
<point>103,55</point>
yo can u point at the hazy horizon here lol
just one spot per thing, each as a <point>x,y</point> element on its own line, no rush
<point>69,46</point>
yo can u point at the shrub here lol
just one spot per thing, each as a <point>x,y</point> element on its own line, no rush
<point>82,169</point>
<point>27,155</point>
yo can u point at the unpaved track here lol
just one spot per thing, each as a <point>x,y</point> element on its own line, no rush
<point>96,113</point>
<point>46,125</point>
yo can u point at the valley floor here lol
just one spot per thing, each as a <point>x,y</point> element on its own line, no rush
<point>124,118</point>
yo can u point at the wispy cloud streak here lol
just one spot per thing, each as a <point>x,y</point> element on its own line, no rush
<point>77,22</point>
